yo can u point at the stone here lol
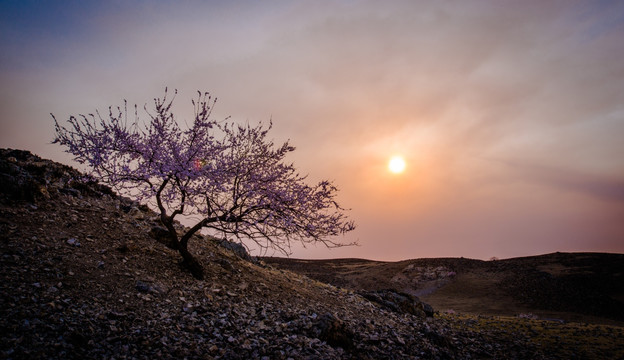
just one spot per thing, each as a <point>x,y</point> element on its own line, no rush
<point>399,302</point>
<point>249,312</point>
<point>237,248</point>
<point>142,286</point>
<point>161,235</point>
<point>70,191</point>
<point>136,213</point>
<point>428,309</point>
<point>145,287</point>
<point>334,331</point>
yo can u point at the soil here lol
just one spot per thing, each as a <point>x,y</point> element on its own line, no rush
<point>81,278</point>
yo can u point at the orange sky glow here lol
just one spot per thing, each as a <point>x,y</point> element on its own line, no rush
<point>509,114</point>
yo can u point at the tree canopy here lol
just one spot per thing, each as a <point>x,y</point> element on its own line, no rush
<point>231,176</point>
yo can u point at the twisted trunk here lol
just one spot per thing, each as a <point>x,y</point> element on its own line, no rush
<point>191,263</point>
<point>181,245</point>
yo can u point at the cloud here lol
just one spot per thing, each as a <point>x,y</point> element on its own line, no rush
<point>602,187</point>
<point>491,103</point>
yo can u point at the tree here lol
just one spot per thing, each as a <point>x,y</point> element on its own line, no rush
<point>231,176</point>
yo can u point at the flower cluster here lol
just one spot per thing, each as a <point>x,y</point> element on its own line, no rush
<point>232,176</point>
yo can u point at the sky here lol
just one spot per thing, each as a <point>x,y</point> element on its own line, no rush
<point>509,114</point>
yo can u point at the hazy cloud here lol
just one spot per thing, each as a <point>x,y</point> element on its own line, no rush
<point>509,113</point>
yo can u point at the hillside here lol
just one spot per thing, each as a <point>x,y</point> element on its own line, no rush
<point>586,287</point>
<point>82,279</point>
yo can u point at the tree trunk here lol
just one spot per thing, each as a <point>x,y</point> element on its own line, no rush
<point>182,246</point>
<point>192,263</point>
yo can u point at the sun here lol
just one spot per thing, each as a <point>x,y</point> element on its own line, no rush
<point>396,165</point>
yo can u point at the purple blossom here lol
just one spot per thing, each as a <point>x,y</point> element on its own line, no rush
<point>230,175</point>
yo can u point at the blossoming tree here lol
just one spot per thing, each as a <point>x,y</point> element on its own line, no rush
<point>231,177</point>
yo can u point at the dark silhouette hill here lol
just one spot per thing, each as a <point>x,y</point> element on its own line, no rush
<point>568,286</point>
<point>82,278</point>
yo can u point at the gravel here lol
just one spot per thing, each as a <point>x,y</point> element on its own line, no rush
<point>82,279</point>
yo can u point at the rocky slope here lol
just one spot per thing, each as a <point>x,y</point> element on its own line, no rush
<point>81,278</point>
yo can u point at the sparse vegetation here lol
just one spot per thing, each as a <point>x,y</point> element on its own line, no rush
<point>580,287</point>
<point>556,339</point>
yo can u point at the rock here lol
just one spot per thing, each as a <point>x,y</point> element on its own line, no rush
<point>18,184</point>
<point>161,235</point>
<point>146,287</point>
<point>73,242</point>
<point>24,176</point>
<point>125,207</point>
<point>60,306</point>
<point>225,264</point>
<point>334,331</point>
<point>237,248</point>
<point>141,286</point>
<point>77,339</point>
<point>438,339</point>
<point>399,302</point>
<point>136,213</point>
<point>71,191</point>
<point>123,248</point>
<point>428,309</point>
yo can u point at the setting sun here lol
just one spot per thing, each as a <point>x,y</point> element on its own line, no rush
<point>396,165</point>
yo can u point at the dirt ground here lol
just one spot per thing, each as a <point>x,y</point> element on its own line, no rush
<point>81,278</point>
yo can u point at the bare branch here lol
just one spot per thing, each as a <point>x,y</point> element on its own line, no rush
<point>231,175</point>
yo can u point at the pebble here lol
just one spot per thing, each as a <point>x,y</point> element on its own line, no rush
<point>243,311</point>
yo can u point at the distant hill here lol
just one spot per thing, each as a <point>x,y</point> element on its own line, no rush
<point>81,278</point>
<point>570,286</point>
